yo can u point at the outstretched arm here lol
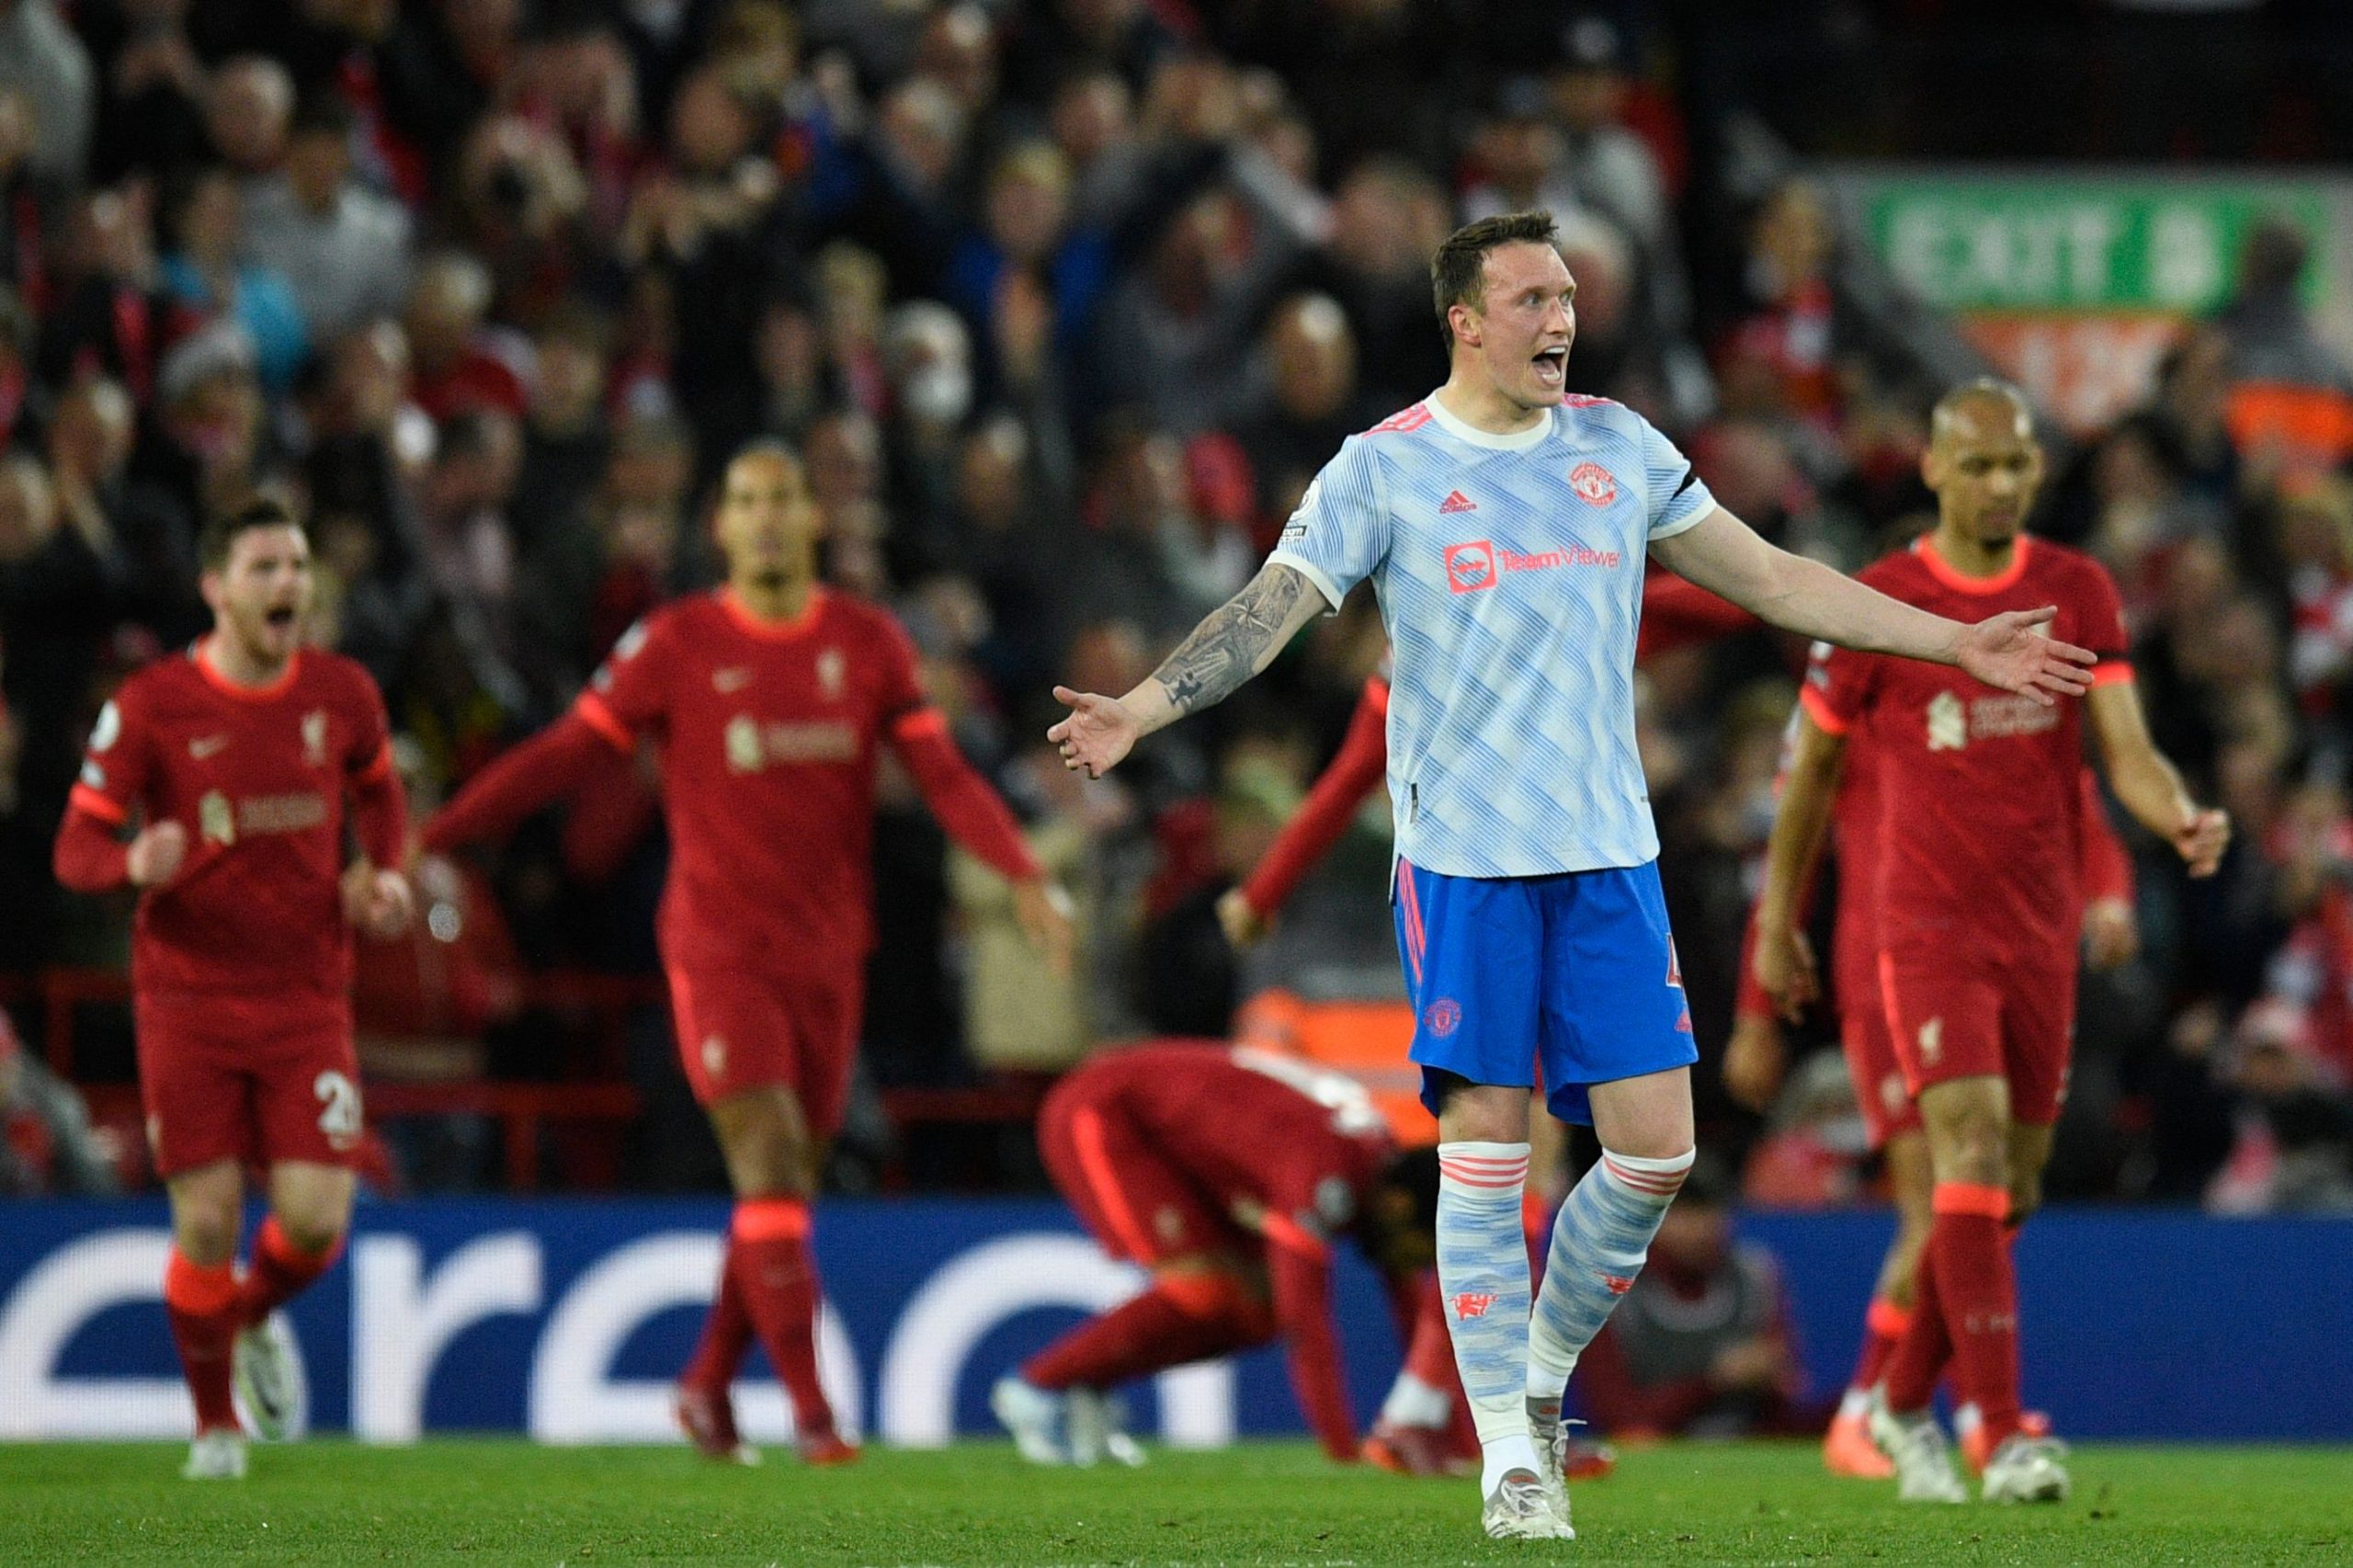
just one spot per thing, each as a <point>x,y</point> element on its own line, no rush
<point>521,781</point>
<point>1724,556</point>
<point>1239,639</point>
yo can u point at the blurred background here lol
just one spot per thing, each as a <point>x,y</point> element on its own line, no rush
<point>1066,300</point>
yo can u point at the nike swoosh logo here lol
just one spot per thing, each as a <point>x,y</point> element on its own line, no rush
<point>732,679</point>
<point>206,746</point>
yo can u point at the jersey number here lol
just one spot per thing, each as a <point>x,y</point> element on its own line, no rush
<point>339,1105</point>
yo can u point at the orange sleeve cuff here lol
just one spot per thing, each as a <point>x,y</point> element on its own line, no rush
<point>97,805</point>
<point>1971,1197</point>
<point>599,717</point>
<point>1817,708</point>
<point>2112,671</point>
<point>922,722</point>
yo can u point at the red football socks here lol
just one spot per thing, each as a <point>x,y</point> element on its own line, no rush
<point>1883,1326</point>
<point>279,1271</point>
<point>1966,1311</point>
<point>201,1301</point>
<point>778,1279</point>
<point>1176,1321</point>
<point>726,1330</point>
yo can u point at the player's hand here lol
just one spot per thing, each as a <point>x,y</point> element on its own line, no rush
<point>377,902</point>
<point>2201,840</point>
<point>1785,969</point>
<point>1242,925</point>
<point>156,856</point>
<point>2014,651</point>
<point>1755,1059</point>
<point>1043,909</point>
<point>1099,732</point>
<point>2111,932</point>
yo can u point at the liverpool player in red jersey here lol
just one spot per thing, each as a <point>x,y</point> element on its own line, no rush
<point>770,700</point>
<point>237,763</point>
<point>1228,1174</point>
<point>1779,979</point>
<point>1979,901</point>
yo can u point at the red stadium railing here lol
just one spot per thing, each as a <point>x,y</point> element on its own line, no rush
<point>523,1111</point>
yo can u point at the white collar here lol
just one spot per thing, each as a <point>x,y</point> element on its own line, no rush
<point>1517,441</point>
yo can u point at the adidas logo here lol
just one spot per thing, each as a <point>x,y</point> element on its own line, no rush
<point>1455,502</point>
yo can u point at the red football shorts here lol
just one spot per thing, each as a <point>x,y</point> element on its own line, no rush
<point>218,1084</point>
<point>2015,1020</point>
<point>1127,1193</point>
<point>739,1029</point>
<point>1880,1093</point>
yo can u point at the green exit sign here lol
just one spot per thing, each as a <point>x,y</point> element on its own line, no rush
<point>1968,242</point>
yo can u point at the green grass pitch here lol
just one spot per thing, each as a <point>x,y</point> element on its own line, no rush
<point>502,1502</point>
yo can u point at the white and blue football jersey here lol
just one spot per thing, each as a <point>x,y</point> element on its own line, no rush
<point>1509,571</point>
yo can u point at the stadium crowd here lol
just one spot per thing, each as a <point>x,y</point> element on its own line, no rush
<point>1065,301</point>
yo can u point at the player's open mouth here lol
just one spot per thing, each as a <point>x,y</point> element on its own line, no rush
<point>281,617</point>
<point>1552,365</point>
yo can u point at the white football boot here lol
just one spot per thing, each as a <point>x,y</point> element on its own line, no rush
<point>217,1455</point>
<point>1917,1445</point>
<point>273,1392</point>
<point>1039,1420</point>
<point>2026,1470</point>
<point>1519,1510</point>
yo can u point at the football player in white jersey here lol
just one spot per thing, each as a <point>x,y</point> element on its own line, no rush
<point>1504,528</point>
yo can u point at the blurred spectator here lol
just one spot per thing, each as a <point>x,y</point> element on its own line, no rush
<point>47,1145</point>
<point>1701,1345</point>
<point>152,87</point>
<point>205,275</point>
<point>1387,220</point>
<point>248,111</point>
<point>1613,170</point>
<point>2295,1129</point>
<point>1304,403</point>
<point>343,249</point>
<point>1813,1147</point>
<point>150,541</point>
<point>41,56</point>
<point>1791,341</point>
<point>459,364</point>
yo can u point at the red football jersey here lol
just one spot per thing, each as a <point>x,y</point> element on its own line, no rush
<point>258,778</point>
<point>1297,1140</point>
<point>1980,789</point>
<point>768,736</point>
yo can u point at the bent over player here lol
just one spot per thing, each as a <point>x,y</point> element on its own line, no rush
<point>238,762</point>
<point>1229,1174</point>
<point>770,700</point>
<point>1506,529</point>
<point>1979,902</point>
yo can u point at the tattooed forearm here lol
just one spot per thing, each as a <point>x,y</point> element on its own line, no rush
<point>1238,639</point>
